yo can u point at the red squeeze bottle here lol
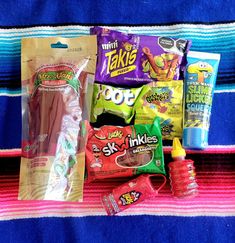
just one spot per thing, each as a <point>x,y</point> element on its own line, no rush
<point>182,173</point>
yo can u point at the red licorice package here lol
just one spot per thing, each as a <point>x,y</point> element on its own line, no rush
<point>57,81</point>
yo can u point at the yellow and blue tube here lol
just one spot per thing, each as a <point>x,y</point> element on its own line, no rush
<point>200,80</point>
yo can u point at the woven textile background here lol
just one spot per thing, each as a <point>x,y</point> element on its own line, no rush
<point>210,217</point>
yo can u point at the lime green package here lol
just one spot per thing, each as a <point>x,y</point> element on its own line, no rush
<point>114,100</point>
<point>164,100</point>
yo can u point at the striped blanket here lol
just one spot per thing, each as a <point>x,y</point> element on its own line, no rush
<point>211,213</point>
<point>209,38</point>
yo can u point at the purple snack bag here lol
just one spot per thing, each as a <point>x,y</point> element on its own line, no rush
<point>133,60</point>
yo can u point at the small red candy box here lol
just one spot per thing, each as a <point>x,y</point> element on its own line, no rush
<point>131,193</point>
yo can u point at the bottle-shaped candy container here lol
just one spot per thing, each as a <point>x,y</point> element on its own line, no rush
<point>131,193</point>
<point>182,173</point>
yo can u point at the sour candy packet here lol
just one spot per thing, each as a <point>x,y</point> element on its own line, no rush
<point>113,151</point>
<point>164,100</point>
<point>132,60</point>
<point>114,100</point>
<point>57,77</point>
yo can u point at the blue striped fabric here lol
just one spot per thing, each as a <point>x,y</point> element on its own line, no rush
<point>217,38</point>
<point>213,38</point>
<point>222,130</point>
<point>131,229</point>
<point>114,12</point>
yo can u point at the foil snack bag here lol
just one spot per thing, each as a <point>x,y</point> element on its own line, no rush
<point>132,60</point>
<point>164,100</point>
<point>113,151</point>
<point>57,78</point>
<point>114,100</point>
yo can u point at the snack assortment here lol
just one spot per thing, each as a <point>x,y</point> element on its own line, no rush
<point>145,80</point>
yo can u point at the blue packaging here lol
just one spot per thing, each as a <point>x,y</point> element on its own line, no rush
<point>200,79</point>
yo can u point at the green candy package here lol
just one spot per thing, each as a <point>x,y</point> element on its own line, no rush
<point>164,100</point>
<point>115,101</point>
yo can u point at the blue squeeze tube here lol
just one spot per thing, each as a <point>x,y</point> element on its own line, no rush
<point>200,79</point>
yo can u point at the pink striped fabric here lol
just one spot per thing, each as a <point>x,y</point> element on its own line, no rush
<point>216,198</point>
<point>10,152</point>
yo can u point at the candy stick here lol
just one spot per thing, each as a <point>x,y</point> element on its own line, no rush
<point>173,65</point>
<point>150,57</point>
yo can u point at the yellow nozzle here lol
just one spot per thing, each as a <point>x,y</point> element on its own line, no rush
<point>177,150</point>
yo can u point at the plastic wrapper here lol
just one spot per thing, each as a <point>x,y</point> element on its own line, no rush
<point>164,100</point>
<point>114,100</point>
<point>57,78</point>
<point>124,151</point>
<point>132,60</point>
